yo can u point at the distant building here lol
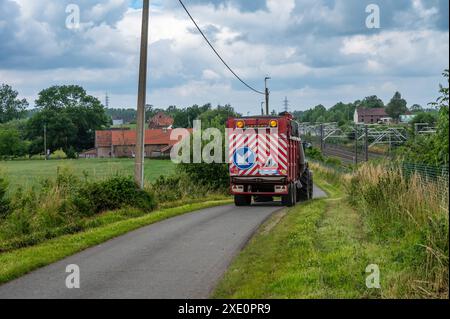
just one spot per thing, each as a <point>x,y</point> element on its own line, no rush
<point>92,153</point>
<point>371,116</point>
<point>122,143</point>
<point>161,121</point>
<point>117,122</point>
<point>407,118</point>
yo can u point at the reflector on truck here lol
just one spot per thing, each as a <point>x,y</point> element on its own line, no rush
<point>256,152</point>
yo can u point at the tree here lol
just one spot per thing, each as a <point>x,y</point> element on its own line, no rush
<point>61,131</point>
<point>184,118</point>
<point>11,107</point>
<point>371,102</point>
<point>127,115</point>
<point>217,117</point>
<point>11,144</point>
<point>442,136</point>
<point>416,108</point>
<point>433,149</point>
<point>71,117</point>
<point>424,118</point>
<point>397,106</point>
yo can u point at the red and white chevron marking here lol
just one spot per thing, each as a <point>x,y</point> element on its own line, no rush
<point>266,147</point>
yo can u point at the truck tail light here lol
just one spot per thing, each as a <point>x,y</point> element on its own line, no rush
<point>280,189</point>
<point>240,124</point>
<point>238,188</point>
<point>273,124</point>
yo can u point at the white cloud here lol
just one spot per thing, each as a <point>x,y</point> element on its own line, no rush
<point>401,52</point>
<point>308,47</point>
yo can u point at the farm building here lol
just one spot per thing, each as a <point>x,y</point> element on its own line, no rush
<point>122,143</point>
<point>371,116</point>
<point>161,121</point>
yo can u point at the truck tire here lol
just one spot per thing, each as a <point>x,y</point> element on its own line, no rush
<point>306,191</point>
<point>294,195</point>
<point>289,199</point>
<point>242,200</point>
<point>311,187</point>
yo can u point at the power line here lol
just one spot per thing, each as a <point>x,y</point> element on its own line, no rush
<point>215,51</point>
<point>106,100</point>
<point>286,104</point>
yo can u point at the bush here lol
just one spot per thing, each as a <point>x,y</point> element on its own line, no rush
<point>20,218</point>
<point>180,187</point>
<point>167,189</point>
<point>71,153</point>
<point>4,202</point>
<point>212,176</point>
<point>314,154</point>
<point>59,154</point>
<point>18,223</point>
<point>332,161</point>
<point>63,205</point>
<point>66,180</point>
<point>114,193</point>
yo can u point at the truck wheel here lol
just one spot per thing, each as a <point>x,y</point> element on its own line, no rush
<point>288,200</point>
<point>294,195</point>
<point>311,187</point>
<point>305,191</point>
<point>299,195</point>
<point>242,200</point>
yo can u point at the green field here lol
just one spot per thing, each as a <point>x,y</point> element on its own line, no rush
<point>28,173</point>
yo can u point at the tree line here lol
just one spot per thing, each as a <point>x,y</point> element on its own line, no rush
<point>183,117</point>
<point>342,113</point>
<point>70,117</point>
<point>67,118</point>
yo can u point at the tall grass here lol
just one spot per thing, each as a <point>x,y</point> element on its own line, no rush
<point>69,203</point>
<point>330,174</point>
<point>411,216</point>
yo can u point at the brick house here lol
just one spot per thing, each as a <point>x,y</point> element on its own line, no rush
<point>161,121</point>
<point>122,143</point>
<point>371,116</point>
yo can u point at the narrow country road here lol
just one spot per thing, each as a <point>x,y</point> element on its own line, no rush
<point>183,257</point>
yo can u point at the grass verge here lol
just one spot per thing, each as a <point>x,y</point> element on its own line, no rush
<point>19,262</point>
<point>407,214</point>
<point>321,249</point>
<point>315,251</point>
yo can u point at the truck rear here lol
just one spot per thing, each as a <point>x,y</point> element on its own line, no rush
<point>267,160</point>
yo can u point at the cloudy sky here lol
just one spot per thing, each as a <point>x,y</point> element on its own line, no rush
<point>316,51</point>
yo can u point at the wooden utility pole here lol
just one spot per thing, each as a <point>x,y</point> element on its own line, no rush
<point>45,141</point>
<point>267,95</point>
<point>356,144</point>
<point>322,146</point>
<point>142,92</point>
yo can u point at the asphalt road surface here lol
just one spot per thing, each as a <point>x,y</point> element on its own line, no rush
<point>183,257</point>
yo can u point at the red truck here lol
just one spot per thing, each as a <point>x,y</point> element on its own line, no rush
<point>267,160</point>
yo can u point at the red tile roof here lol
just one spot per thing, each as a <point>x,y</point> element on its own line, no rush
<point>160,120</point>
<point>128,137</point>
<point>374,112</point>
